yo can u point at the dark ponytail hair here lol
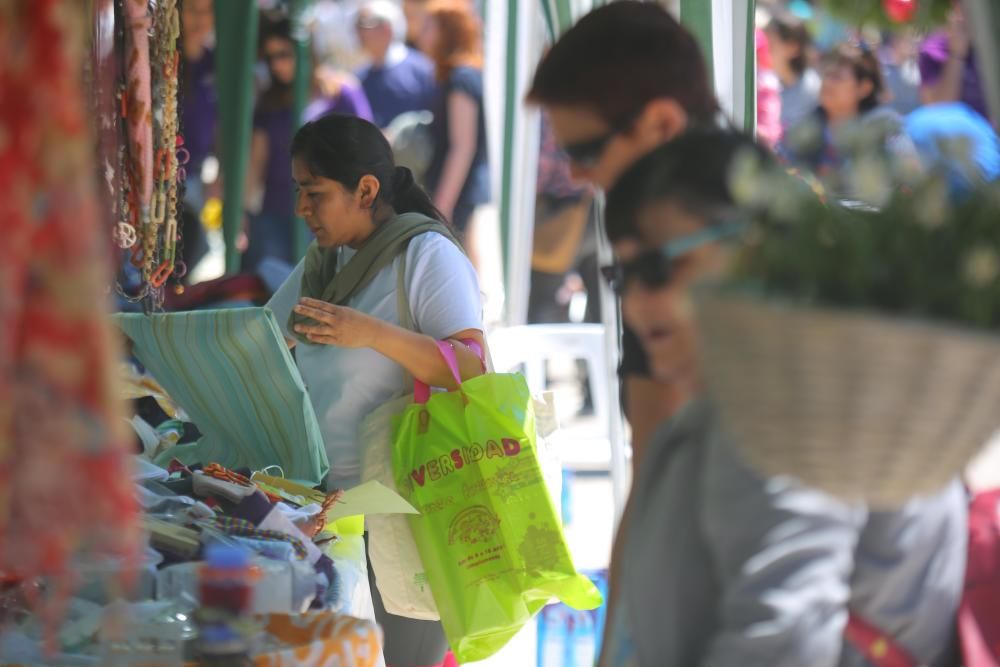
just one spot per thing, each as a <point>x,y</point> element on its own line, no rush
<point>345,148</point>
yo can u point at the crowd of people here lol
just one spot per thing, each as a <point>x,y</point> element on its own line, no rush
<point>715,563</point>
<point>423,56</point>
<point>917,92</point>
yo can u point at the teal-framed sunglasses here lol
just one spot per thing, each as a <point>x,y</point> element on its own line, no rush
<point>653,267</point>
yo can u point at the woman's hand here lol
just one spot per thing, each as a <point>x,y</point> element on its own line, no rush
<point>337,325</point>
<point>417,353</point>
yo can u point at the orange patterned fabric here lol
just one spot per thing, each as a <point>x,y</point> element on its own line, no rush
<point>322,640</point>
<point>65,480</point>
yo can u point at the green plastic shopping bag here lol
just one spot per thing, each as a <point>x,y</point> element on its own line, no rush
<point>488,533</point>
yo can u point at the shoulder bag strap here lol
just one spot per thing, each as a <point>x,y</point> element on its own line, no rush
<point>402,298</point>
<point>403,313</point>
<point>877,647</point>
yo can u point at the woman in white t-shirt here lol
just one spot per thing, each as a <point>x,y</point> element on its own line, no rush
<point>339,306</point>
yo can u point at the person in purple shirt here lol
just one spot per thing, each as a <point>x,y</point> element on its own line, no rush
<point>399,79</point>
<point>199,110</point>
<point>336,92</point>
<point>270,196</point>
<point>947,63</point>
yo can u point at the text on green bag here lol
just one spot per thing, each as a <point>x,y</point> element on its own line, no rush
<point>442,466</point>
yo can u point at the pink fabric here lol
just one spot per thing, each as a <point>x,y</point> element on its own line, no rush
<point>768,94</point>
<point>979,613</point>
<point>762,50</point>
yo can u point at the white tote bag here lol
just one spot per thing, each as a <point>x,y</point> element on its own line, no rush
<point>399,572</point>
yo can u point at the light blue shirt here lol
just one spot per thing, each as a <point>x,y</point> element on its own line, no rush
<point>721,567</point>
<point>346,385</point>
<point>800,99</point>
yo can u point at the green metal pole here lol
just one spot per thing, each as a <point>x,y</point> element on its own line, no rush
<point>301,90</point>
<point>550,21</point>
<point>236,51</point>
<point>564,14</point>
<point>696,15</point>
<point>750,68</point>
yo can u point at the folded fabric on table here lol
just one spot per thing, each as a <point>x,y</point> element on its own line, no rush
<point>231,371</point>
<point>244,528</point>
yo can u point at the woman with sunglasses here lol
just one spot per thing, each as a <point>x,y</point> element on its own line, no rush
<point>850,118</point>
<point>717,564</point>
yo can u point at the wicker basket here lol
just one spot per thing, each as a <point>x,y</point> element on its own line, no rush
<point>864,407</point>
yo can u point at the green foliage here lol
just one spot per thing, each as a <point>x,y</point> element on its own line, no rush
<point>930,13</point>
<point>923,252</point>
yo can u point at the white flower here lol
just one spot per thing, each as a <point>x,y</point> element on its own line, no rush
<point>958,150</point>
<point>909,172</point>
<point>747,180</point>
<point>786,197</point>
<point>932,203</point>
<point>981,266</point>
<point>872,182</point>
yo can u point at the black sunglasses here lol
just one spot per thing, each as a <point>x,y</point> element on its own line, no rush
<point>284,54</point>
<point>653,267</point>
<point>588,152</point>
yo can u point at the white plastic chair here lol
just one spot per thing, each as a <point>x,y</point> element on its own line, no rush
<point>531,346</point>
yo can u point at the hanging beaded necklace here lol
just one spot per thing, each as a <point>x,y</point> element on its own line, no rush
<point>149,191</point>
<point>164,63</point>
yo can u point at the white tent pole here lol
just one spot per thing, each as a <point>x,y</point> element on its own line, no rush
<point>531,40</point>
<point>514,39</point>
<point>730,41</point>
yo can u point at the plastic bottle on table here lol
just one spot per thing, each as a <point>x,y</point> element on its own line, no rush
<point>225,589</point>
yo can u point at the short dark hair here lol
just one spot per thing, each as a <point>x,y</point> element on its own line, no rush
<point>692,170</point>
<point>790,28</point>
<point>274,24</point>
<point>620,57</point>
<point>864,64</point>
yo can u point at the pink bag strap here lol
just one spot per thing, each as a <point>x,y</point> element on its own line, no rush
<point>422,391</point>
<point>477,348</point>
